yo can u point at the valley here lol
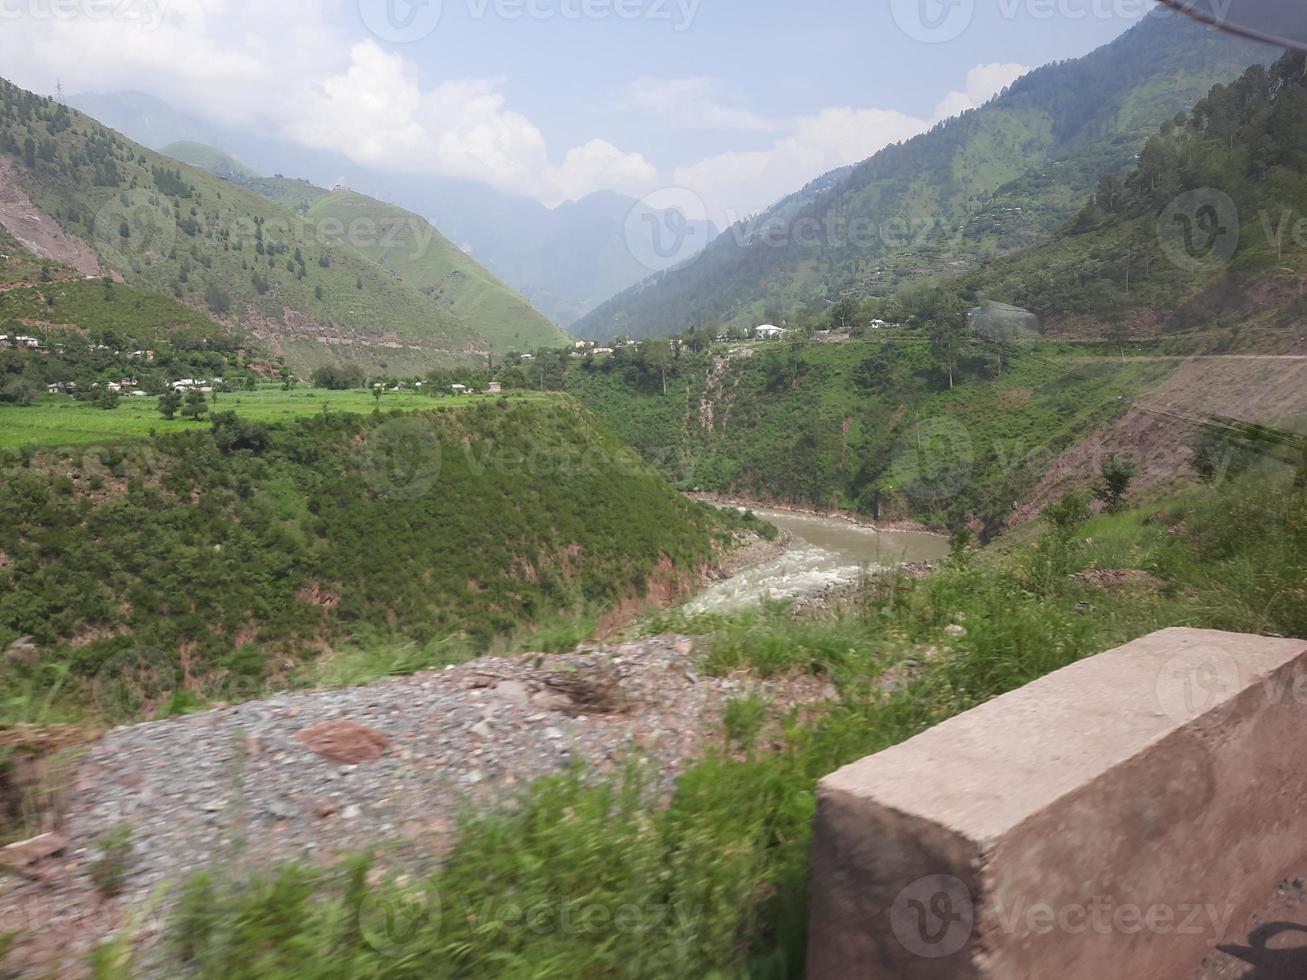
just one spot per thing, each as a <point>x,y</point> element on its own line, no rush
<point>394,583</point>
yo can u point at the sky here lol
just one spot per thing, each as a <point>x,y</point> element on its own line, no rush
<point>733,103</point>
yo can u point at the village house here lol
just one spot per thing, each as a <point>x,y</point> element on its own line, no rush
<point>770,332</point>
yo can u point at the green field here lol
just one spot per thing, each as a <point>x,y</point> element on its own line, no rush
<point>56,420</point>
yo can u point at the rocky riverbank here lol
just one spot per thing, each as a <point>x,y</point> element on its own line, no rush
<point>317,775</point>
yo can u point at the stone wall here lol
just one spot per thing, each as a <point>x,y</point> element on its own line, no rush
<point>1116,819</point>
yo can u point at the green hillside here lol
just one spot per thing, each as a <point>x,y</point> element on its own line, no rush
<point>988,183</point>
<point>1202,234</point>
<point>222,249</point>
<point>412,248</point>
<point>211,159</point>
<point>253,546</point>
<point>404,243</point>
<point>871,426</point>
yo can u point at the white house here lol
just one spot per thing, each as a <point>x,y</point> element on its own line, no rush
<point>459,389</point>
<point>496,388</point>
<point>769,332</point>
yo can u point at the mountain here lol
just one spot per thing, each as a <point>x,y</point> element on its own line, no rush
<point>307,293</point>
<point>403,243</point>
<point>989,182</point>
<point>1174,295</point>
<point>565,260</point>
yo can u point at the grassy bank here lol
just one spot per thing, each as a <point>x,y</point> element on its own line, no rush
<point>57,420</point>
<point>585,880</point>
<point>234,554</point>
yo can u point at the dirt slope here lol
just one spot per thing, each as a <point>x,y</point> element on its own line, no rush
<point>1270,390</point>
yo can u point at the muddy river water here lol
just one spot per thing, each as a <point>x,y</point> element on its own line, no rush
<point>826,553</point>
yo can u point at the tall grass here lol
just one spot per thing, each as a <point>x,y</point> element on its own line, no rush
<point>601,878</point>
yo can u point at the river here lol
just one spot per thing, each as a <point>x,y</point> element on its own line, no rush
<point>826,553</point>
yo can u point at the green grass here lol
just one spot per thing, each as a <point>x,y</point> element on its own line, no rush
<point>57,420</point>
<point>402,539</point>
<point>870,425</point>
<point>715,883</point>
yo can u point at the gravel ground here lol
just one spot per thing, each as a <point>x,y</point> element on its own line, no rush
<point>239,786</point>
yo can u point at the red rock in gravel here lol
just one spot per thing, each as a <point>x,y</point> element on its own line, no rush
<point>29,852</point>
<point>345,742</point>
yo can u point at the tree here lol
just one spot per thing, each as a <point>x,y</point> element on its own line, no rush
<point>339,377</point>
<point>106,399</point>
<point>1118,473</point>
<point>657,357</point>
<point>19,391</point>
<point>218,300</point>
<point>195,407</point>
<point>946,340</point>
<point>169,404</point>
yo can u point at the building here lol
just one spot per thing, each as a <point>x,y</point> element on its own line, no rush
<point>496,388</point>
<point>769,332</point>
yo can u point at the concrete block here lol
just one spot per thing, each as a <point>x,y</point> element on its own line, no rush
<point>1116,819</point>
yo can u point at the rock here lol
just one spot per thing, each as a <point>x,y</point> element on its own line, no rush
<point>513,691</point>
<point>483,730</point>
<point>324,809</point>
<point>955,630</point>
<point>26,853</point>
<point>551,701</point>
<point>345,741</point>
<point>214,806</point>
<point>553,733</point>
<point>352,812</point>
<point>281,810</point>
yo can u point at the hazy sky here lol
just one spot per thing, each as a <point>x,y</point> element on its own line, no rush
<point>741,101</point>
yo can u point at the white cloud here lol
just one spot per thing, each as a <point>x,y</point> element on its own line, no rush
<point>378,113</point>
<point>600,164</point>
<point>734,185</point>
<point>692,103</point>
<point>983,83</point>
<point>289,66</point>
